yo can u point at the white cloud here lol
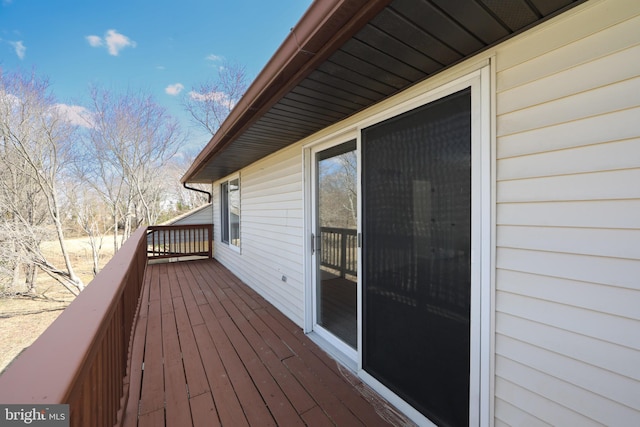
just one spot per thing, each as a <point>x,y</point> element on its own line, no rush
<point>20,48</point>
<point>76,115</point>
<point>113,40</point>
<point>12,99</point>
<point>213,97</point>
<point>214,58</point>
<point>174,89</point>
<point>94,41</point>
<point>116,42</point>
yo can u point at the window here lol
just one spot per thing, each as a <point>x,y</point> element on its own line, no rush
<point>230,212</point>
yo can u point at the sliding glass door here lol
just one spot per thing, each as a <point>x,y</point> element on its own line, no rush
<point>416,227</point>
<point>400,262</point>
<point>335,243</point>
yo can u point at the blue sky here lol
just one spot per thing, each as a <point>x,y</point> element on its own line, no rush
<point>155,45</point>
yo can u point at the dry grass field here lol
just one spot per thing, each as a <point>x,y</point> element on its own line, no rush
<point>23,319</point>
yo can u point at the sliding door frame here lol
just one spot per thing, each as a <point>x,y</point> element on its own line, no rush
<point>480,80</point>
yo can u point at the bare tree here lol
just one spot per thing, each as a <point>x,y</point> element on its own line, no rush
<point>185,199</point>
<point>21,206</point>
<point>210,103</point>
<point>19,247</point>
<point>92,216</point>
<point>94,168</point>
<point>23,226</point>
<point>36,138</point>
<point>338,191</point>
<point>130,142</point>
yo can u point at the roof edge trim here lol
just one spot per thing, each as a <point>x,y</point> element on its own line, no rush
<point>322,29</point>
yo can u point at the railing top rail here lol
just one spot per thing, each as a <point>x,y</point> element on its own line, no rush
<point>352,231</point>
<point>178,226</point>
<point>47,371</point>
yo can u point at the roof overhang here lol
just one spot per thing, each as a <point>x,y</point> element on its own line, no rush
<point>346,55</point>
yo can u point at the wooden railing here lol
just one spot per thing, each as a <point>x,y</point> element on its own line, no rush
<point>82,358</point>
<point>339,250</point>
<point>172,241</point>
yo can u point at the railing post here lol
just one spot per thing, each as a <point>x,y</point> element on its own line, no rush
<point>343,253</point>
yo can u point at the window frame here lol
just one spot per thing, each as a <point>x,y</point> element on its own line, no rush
<point>227,220</point>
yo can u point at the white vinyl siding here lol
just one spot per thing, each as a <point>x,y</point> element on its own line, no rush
<point>203,215</point>
<point>568,221</point>
<point>271,231</point>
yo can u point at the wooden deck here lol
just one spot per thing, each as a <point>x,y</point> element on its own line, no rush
<point>210,351</point>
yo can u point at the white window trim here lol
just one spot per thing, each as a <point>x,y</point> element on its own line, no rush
<point>223,196</point>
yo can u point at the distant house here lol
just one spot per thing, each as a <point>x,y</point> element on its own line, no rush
<point>200,215</point>
<point>489,152</point>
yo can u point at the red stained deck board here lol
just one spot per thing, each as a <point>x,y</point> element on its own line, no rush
<point>332,406</point>
<point>216,353</point>
<point>225,279</point>
<point>211,298</point>
<point>320,375</point>
<point>317,418</point>
<point>189,300</point>
<point>193,367</point>
<point>204,411</point>
<point>228,407</point>
<point>328,372</point>
<point>152,419</point>
<point>199,280</point>
<point>152,395</point>
<point>171,353</point>
<point>174,282</point>
<point>177,408</point>
<point>165,290</point>
<point>195,283</point>
<point>295,393</point>
<point>175,390</point>
<point>153,283</point>
<point>252,403</point>
<point>281,350</point>
<point>279,406</point>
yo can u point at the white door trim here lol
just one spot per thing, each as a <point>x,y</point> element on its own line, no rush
<point>481,82</point>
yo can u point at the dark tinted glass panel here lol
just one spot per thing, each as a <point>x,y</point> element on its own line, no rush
<point>416,256</point>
